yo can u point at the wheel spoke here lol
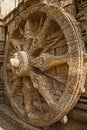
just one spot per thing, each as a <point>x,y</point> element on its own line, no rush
<point>54,44</point>
<point>38,41</point>
<point>47,61</point>
<point>41,23</point>
<point>43,85</point>
<point>27,92</point>
<point>12,79</point>
<point>16,88</point>
<point>56,35</point>
<point>59,78</point>
<point>54,40</point>
<point>44,29</point>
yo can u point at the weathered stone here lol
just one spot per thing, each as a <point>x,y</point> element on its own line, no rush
<point>45,60</point>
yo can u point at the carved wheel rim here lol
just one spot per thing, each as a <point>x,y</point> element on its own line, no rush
<point>45,86</point>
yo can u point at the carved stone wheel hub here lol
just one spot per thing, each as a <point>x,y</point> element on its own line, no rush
<point>20,63</point>
<point>43,65</point>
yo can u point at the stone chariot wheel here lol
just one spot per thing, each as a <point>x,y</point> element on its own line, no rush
<point>43,65</point>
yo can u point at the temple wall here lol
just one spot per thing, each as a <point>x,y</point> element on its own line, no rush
<point>7,6</point>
